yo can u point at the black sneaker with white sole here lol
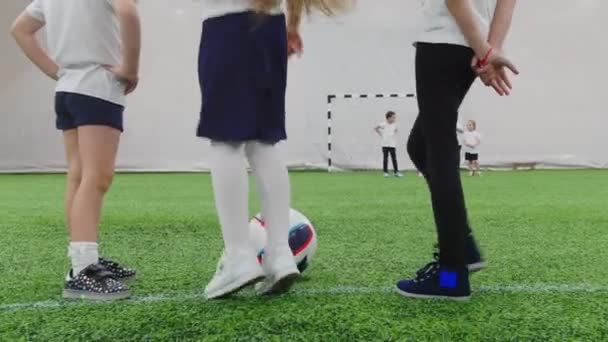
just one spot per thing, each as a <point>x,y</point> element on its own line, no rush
<point>437,282</point>
<point>122,273</point>
<point>97,283</point>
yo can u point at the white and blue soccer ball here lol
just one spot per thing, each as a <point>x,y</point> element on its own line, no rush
<point>302,238</point>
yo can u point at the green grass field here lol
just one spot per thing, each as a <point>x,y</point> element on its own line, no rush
<point>544,233</point>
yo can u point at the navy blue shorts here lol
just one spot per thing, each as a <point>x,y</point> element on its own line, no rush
<point>75,110</point>
<point>471,156</point>
<point>243,76</point>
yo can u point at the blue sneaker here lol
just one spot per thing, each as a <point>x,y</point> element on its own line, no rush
<point>437,282</point>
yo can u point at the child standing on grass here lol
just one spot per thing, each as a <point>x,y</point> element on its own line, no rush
<point>387,130</point>
<point>93,54</point>
<point>472,140</point>
<point>462,39</point>
<point>243,76</point>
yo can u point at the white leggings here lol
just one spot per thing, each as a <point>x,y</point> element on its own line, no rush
<point>231,189</point>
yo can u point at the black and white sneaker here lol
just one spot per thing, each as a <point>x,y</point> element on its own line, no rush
<point>121,273</point>
<point>97,283</point>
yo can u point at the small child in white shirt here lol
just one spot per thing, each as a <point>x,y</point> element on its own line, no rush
<point>387,130</point>
<point>472,140</point>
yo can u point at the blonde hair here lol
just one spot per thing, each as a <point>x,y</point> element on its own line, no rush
<point>327,7</point>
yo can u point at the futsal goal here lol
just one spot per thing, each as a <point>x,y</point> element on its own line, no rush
<point>352,143</point>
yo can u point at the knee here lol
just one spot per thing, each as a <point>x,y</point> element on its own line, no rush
<point>99,181</point>
<point>74,174</point>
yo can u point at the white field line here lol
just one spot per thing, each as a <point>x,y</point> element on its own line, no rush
<point>539,288</point>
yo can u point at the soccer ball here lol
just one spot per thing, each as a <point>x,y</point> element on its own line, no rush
<point>302,238</point>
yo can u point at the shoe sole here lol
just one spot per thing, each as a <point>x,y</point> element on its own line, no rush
<point>235,287</point>
<point>437,297</point>
<point>281,286</point>
<point>478,266</point>
<point>75,294</point>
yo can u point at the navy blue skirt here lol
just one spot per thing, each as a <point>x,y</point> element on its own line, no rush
<point>243,77</point>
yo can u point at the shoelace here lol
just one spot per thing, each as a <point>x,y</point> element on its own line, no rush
<point>426,268</point>
<point>427,271</point>
<point>98,273</point>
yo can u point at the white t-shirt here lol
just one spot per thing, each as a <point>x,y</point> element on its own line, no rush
<point>388,132</point>
<point>439,26</point>
<point>216,8</point>
<point>472,138</point>
<point>81,37</point>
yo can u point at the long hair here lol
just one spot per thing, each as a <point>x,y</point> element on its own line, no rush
<point>327,7</point>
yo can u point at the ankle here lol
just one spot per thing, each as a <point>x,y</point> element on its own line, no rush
<point>83,254</point>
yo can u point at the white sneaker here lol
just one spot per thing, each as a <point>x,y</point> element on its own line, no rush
<point>386,175</point>
<point>233,274</point>
<point>281,273</point>
<point>398,174</point>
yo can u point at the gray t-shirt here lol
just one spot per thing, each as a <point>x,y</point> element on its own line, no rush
<point>81,37</point>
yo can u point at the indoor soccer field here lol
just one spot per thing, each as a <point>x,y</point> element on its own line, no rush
<point>543,233</point>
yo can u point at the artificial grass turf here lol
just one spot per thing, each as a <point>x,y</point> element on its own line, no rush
<point>545,235</point>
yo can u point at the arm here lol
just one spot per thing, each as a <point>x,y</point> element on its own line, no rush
<point>459,128</point>
<point>130,28</point>
<point>465,17</point>
<point>295,45</point>
<point>294,15</point>
<point>501,23</point>
<point>24,31</point>
<point>478,140</point>
<point>487,63</point>
<point>378,130</point>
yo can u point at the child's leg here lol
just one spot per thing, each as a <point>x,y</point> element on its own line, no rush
<point>231,192</point>
<point>393,152</point>
<point>97,146</point>
<point>70,139</point>
<point>416,147</point>
<point>385,159</point>
<point>439,96</point>
<point>441,85</point>
<point>240,266</point>
<point>273,185</point>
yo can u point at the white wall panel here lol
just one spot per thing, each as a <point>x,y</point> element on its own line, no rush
<point>556,115</point>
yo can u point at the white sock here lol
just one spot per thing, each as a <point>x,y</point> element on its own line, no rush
<point>231,192</point>
<point>273,185</point>
<point>82,255</point>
